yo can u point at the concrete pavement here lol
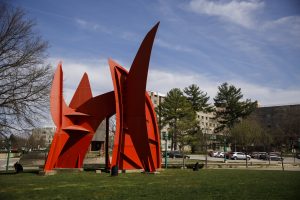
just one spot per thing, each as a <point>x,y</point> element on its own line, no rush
<point>213,163</point>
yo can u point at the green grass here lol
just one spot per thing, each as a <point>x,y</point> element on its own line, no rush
<point>169,184</point>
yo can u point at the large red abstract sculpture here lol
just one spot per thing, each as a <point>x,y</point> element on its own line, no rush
<point>137,138</point>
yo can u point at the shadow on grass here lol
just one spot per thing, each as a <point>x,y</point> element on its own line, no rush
<point>15,173</point>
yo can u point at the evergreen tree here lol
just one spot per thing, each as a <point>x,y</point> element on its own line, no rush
<point>199,102</point>
<point>177,113</point>
<point>230,108</point>
<point>197,98</point>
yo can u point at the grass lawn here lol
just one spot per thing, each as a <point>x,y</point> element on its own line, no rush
<point>169,184</point>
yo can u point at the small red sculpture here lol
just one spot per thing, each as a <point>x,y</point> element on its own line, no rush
<point>137,138</point>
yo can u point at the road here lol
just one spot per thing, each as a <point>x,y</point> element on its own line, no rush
<point>287,160</point>
<point>12,161</point>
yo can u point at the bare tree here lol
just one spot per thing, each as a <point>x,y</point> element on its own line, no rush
<point>34,142</point>
<point>17,142</point>
<point>24,77</point>
<point>246,133</point>
<point>112,131</point>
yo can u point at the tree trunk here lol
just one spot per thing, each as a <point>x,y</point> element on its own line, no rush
<point>172,142</point>
<point>281,161</point>
<point>175,135</point>
<point>246,157</point>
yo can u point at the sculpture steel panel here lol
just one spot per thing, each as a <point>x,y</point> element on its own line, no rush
<point>137,138</point>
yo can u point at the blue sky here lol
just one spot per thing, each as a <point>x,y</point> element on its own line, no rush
<point>254,45</point>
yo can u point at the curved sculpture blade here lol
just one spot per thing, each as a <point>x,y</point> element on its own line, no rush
<point>137,143</point>
<point>56,96</point>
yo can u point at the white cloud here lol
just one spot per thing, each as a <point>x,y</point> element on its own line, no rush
<point>130,36</point>
<point>285,30</point>
<point>91,26</point>
<point>238,12</point>
<point>267,96</point>
<point>175,47</point>
<point>166,10</point>
<point>73,70</point>
<point>163,81</point>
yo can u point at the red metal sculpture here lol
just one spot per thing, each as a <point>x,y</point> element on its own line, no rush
<point>137,138</point>
<point>76,124</point>
<point>136,143</point>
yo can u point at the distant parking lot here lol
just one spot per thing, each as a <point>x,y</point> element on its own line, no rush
<point>202,157</point>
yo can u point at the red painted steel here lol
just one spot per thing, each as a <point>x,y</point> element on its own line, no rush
<point>137,138</point>
<point>76,124</point>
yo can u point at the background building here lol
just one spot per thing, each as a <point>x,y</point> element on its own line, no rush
<point>98,141</point>
<point>208,123</point>
<point>157,99</point>
<point>282,122</point>
<point>44,134</point>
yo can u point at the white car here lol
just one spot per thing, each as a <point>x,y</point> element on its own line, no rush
<point>214,154</point>
<point>239,156</point>
<point>220,154</point>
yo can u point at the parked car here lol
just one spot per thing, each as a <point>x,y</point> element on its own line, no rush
<point>229,154</point>
<point>298,155</point>
<point>274,156</point>
<point>262,155</point>
<point>221,155</point>
<point>254,155</point>
<point>258,155</point>
<point>216,153</point>
<point>213,153</point>
<point>239,156</point>
<point>177,154</point>
<point>163,154</point>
